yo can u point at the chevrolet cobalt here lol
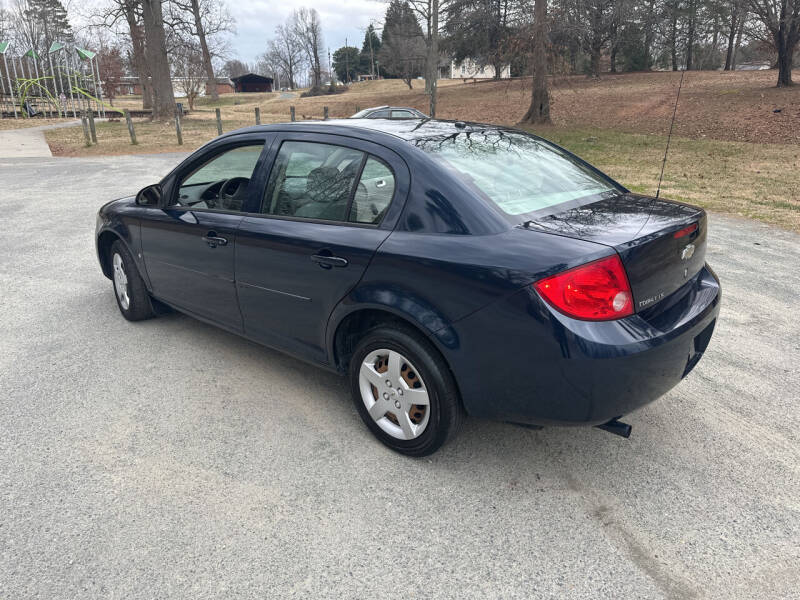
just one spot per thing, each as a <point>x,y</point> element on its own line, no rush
<point>446,268</point>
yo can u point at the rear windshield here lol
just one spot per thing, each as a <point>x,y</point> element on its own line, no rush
<point>520,174</point>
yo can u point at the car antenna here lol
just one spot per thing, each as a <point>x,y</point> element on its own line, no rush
<point>669,136</point>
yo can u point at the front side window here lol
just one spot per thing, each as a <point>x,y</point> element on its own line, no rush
<point>520,174</point>
<point>222,182</point>
<point>327,182</point>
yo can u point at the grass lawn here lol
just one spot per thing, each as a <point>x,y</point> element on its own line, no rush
<point>757,181</point>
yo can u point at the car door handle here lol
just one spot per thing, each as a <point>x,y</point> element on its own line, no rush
<point>213,240</point>
<point>326,262</point>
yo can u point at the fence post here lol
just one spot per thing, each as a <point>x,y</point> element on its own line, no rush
<point>325,113</point>
<point>357,108</point>
<point>85,124</point>
<point>130,126</point>
<point>291,111</point>
<point>219,121</point>
<point>92,128</point>
<point>258,115</point>
<point>178,129</point>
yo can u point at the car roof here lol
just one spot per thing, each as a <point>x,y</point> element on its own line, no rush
<point>408,130</point>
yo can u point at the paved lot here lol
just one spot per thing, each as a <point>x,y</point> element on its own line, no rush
<point>171,459</point>
<point>29,142</point>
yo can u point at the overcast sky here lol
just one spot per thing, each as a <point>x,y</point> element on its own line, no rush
<point>256,21</point>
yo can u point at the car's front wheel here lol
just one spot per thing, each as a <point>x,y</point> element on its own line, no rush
<point>129,289</point>
<point>404,391</point>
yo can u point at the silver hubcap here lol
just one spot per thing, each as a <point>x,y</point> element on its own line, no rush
<point>121,282</point>
<point>394,394</point>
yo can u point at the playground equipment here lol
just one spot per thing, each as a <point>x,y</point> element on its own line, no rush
<point>65,83</point>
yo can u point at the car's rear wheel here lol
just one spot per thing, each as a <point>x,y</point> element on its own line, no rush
<point>129,289</point>
<point>404,391</point>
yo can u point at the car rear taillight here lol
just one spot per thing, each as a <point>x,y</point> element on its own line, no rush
<point>596,291</point>
<point>685,231</point>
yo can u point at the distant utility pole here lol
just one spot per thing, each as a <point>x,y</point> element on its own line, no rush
<point>346,62</point>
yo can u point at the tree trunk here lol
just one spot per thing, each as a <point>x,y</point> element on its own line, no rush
<point>673,41</point>
<point>138,58</point>
<point>595,61</point>
<point>201,36</point>
<point>690,36</point>
<point>596,44</point>
<point>317,68</point>
<point>614,44</point>
<point>785,53</point>
<point>731,40</point>
<point>156,52</point>
<point>433,57</point>
<point>539,110</point>
<point>648,36</point>
<point>738,41</point>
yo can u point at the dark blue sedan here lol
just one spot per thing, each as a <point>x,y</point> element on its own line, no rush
<point>447,268</point>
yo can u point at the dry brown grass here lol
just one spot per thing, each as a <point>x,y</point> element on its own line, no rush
<point>758,181</point>
<point>6,124</point>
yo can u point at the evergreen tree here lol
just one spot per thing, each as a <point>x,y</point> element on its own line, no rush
<point>369,51</point>
<point>346,64</point>
<point>402,43</point>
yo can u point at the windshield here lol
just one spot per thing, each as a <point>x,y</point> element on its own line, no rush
<point>520,174</point>
<point>363,113</point>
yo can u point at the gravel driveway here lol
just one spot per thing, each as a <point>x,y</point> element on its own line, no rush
<point>171,459</point>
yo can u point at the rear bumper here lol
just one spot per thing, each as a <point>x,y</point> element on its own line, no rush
<point>519,360</point>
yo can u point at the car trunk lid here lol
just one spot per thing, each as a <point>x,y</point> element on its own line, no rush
<point>661,243</point>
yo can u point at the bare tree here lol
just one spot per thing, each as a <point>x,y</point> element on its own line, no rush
<point>781,19</point>
<point>737,14</point>
<point>109,16</point>
<point>157,61</point>
<point>596,26</point>
<point>308,30</point>
<point>111,71</point>
<point>235,67</point>
<point>431,12</point>
<point>539,110</point>
<point>188,67</point>
<point>203,20</point>
<point>286,53</point>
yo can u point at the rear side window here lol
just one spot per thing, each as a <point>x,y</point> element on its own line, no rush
<point>402,114</point>
<point>327,182</point>
<point>520,174</point>
<point>373,193</point>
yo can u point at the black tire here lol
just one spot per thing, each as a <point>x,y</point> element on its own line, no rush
<point>139,305</point>
<point>446,411</point>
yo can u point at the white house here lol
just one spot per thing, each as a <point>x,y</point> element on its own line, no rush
<point>470,69</point>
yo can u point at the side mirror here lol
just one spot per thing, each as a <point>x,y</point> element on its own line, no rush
<point>149,196</point>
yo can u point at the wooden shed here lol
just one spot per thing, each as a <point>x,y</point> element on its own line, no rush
<point>250,82</point>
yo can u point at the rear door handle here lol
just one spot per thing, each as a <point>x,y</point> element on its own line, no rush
<point>213,240</point>
<point>326,262</point>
